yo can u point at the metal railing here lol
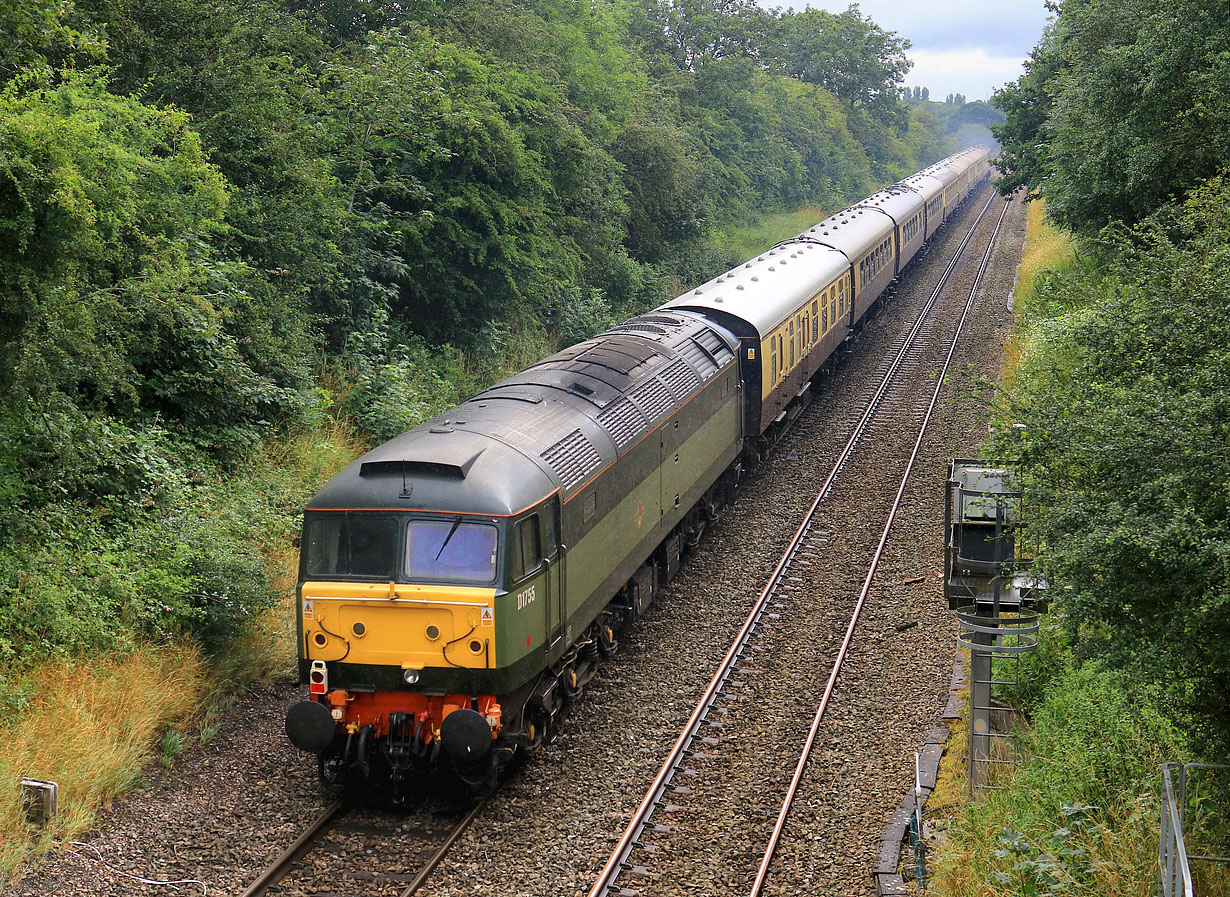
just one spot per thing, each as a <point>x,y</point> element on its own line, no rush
<point>1174,862</point>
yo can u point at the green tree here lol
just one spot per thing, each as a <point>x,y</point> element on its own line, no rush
<point>692,32</point>
<point>1125,402</point>
<point>850,55</point>
<point>1123,107</point>
<point>38,35</point>
<point>116,310</point>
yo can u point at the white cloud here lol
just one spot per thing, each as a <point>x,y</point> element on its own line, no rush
<point>1004,27</point>
<point>958,46</point>
<point>973,72</point>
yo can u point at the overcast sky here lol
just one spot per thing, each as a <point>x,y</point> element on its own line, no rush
<point>957,46</point>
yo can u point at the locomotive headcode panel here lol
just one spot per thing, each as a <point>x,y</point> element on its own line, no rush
<point>461,582</point>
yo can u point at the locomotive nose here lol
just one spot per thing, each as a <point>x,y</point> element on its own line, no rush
<point>466,736</point>
<point>310,726</point>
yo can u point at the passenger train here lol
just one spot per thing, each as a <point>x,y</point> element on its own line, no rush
<point>462,582</point>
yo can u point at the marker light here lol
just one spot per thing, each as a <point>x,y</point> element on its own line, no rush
<point>318,678</point>
<point>411,676</point>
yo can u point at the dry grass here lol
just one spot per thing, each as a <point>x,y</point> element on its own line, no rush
<point>1046,248</point>
<point>952,784</point>
<point>1122,850</point>
<point>90,726</point>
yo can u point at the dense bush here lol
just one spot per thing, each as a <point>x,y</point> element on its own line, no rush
<point>1124,106</point>
<point>1125,400</point>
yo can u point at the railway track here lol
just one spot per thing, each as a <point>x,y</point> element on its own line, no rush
<point>746,710</point>
<point>351,851</point>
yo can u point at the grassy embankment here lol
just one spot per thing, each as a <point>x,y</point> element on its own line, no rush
<point>91,724</point>
<point>1077,814</point>
<point>752,239</point>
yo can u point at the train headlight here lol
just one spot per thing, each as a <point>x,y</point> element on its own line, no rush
<point>411,676</point>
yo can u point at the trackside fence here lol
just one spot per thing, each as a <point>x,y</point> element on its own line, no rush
<point>1174,862</point>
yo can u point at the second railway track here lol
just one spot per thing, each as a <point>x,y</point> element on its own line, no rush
<point>721,800</point>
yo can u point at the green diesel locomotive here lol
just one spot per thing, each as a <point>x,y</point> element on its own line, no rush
<point>462,582</point>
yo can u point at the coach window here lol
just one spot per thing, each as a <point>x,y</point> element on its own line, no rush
<point>527,547</point>
<point>792,344</point>
<point>815,321</point>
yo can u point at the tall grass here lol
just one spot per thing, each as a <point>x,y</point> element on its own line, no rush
<point>1078,815</point>
<point>747,241</point>
<point>1047,249</point>
<point>90,726</point>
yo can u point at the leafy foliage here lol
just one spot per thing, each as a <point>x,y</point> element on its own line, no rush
<point>1125,396</point>
<point>115,314</point>
<point>1124,106</point>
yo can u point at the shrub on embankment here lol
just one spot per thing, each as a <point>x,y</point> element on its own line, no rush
<point>1115,400</point>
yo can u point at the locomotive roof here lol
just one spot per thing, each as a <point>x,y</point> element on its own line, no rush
<point>552,426</point>
<point>765,291</point>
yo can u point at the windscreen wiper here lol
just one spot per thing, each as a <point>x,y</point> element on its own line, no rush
<point>456,523</point>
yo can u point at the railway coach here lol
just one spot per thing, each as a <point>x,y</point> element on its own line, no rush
<point>462,582</point>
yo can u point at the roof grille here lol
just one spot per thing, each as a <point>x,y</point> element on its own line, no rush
<point>680,377</point>
<point>642,328</point>
<point>624,422</point>
<point>715,346</point>
<point>573,458</point>
<point>653,398</point>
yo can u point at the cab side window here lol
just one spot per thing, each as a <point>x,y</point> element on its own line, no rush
<point>527,547</point>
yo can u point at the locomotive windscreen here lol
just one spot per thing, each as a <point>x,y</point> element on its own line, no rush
<point>451,550</point>
<point>351,545</point>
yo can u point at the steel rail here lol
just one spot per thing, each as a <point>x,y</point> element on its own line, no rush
<point>640,817</point>
<point>278,868</point>
<point>438,855</point>
<point>800,767</point>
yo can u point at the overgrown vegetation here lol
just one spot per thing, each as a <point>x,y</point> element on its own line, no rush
<point>1115,403</point>
<point>241,241</point>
